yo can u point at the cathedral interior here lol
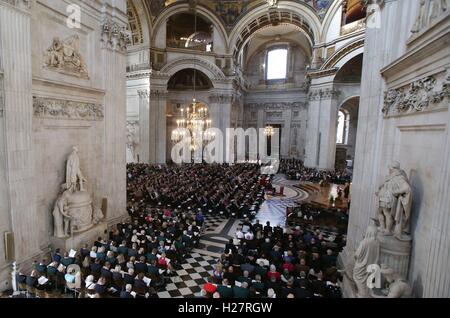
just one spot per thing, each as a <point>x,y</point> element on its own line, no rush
<point>322,169</point>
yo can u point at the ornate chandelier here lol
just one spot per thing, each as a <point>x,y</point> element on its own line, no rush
<point>269,131</point>
<point>196,120</point>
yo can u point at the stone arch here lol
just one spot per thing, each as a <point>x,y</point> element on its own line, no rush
<point>327,20</point>
<point>213,72</point>
<point>344,54</point>
<point>184,8</point>
<point>143,21</point>
<point>299,14</point>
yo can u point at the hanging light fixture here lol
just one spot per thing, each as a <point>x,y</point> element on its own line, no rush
<point>269,131</point>
<point>196,116</point>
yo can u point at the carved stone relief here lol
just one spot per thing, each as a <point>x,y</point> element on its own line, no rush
<point>132,137</point>
<point>418,96</point>
<point>429,12</point>
<point>63,109</point>
<point>64,56</point>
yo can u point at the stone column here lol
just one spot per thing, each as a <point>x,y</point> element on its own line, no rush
<point>437,274</point>
<point>157,126</point>
<point>144,125</point>
<point>113,40</point>
<point>220,112</point>
<point>286,133</point>
<point>321,133</point>
<point>15,54</point>
<point>328,128</point>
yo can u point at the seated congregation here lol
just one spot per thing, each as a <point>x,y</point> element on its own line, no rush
<point>267,262</point>
<point>168,207</point>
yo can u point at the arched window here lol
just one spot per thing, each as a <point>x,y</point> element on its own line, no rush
<point>276,65</point>
<point>342,128</point>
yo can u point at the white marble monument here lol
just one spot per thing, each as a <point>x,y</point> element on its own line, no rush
<point>74,213</point>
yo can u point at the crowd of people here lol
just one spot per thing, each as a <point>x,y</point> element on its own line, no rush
<point>167,207</point>
<point>229,190</point>
<point>294,169</point>
<point>267,262</point>
<point>311,214</point>
<point>135,260</point>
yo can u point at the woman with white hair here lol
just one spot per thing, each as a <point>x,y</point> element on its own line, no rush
<point>90,286</point>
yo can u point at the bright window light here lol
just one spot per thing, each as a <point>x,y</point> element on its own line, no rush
<point>277,64</point>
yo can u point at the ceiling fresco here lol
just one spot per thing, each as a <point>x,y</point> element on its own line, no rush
<point>231,10</point>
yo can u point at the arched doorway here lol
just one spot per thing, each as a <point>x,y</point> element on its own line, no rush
<point>188,92</point>
<point>347,125</point>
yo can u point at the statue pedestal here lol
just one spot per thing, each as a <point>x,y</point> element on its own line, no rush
<point>78,240</point>
<point>395,253</point>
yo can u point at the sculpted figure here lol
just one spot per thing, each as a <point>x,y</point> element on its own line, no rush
<point>395,199</point>
<point>398,287</point>
<point>61,218</point>
<point>55,54</point>
<point>73,172</point>
<point>366,254</point>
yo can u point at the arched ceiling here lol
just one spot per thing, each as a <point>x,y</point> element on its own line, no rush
<point>231,11</point>
<point>280,33</point>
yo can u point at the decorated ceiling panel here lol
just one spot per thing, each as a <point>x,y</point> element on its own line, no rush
<point>230,11</point>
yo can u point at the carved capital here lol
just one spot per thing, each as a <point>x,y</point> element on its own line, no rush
<point>143,93</point>
<point>323,94</point>
<point>158,94</point>
<point>21,4</point>
<point>114,36</point>
<point>221,99</point>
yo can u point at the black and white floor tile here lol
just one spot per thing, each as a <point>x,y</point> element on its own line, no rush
<point>189,280</point>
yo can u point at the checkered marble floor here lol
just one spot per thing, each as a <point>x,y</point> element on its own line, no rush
<point>190,279</point>
<point>212,222</point>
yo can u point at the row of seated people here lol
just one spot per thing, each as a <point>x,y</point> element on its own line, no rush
<point>296,264</point>
<point>295,170</point>
<point>142,253</point>
<point>218,189</point>
<point>307,213</point>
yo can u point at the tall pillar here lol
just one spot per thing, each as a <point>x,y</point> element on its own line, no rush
<point>144,125</point>
<point>157,126</point>
<point>15,55</point>
<point>220,112</point>
<point>321,133</point>
<point>114,61</point>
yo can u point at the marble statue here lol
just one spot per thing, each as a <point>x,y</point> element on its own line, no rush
<point>74,177</point>
<point>272,3</point>
<point>65,56</point>
<point>366,254</point>
<point>398,287</point>
<point>61,218</point>
<point>73,211</point>
<point>395,200</point>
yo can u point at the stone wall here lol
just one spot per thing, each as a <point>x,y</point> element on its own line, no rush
<point>55,99</point>
<point>404,116</point>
